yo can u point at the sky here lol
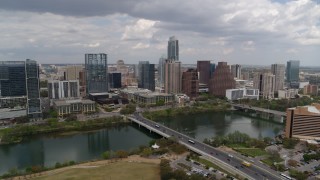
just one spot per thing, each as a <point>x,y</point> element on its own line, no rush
<point>259,32</point>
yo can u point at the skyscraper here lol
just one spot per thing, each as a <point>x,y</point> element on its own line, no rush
<point>172,81</point>
<point>96,73</point>
<point>292,71</point>
<point>114,80</point>
<point>73,72</point>
<point>236,71</point>
<point>173,48</point>
<point>21,79</point>
<point>161,65</point>
<point>265,82</point>
<point>278,70</point>
<point>190,83</point>
<point>146,75</point>
<point>63,89</point>
<point>203,68</point>
<point>221,80</point>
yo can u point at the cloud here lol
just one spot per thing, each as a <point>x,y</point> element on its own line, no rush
<point>50,29</point>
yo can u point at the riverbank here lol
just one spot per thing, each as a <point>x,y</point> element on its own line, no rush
<point>132,167</point>
<point>18,133</point>
<point>196,108</point>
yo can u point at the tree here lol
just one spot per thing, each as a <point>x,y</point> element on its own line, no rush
<point>146,152</point>
<point>122,154</point>
<point>106,155</point>
<point>292,163</point>
<point>290,143</point>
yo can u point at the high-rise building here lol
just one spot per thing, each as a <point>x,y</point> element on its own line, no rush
<point>303,122</point>
<point>63,89</point>
<point>278,70</point>
<point>96,73</point>
<point>146,76</point>
<point>236,71</point>
<point>190,83</point>
<point>221,80</point>
<point>265,82</point>
<point>204,70</point>
<point>21,79</point>
<point>292,72</point>
<point>114,80</point>
<point>161,65</point>
<point>173,48</point>
<point>172,81</point>
<point>33,90</point>
<point>310,89</point>
<point>73,72</point>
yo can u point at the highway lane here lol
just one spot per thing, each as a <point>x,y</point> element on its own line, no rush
<point>253,171</point>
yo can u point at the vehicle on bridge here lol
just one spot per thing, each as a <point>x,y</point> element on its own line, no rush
<point>190,141</point>
<point>246,163</point>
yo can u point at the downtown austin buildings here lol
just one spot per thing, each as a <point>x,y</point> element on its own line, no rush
<point>292,71</point>
<point>278,70</point>
<point>221,80</point>
<point>265,82</point>
<point>173,48</point>
<point>146,79</point>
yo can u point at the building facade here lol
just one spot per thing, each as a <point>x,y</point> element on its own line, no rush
<point>292,71</point>
<point>173,48</point>
<point>190,83</point>
<point>66,107</point>
<point>73,72</point>
<point>278,70</point>
<point>63,89</point>
<point>96,73</point>
<point>222,80</point>
<point>303,122</point>
<point>114,80</point>
<point>236,71</point>
<point>310,90</point>
<point>265,82</point>
<point>173,74</point>
<point>161,65</point>
<point>287,93</point>
<point>242,93</point>
<point>203,68</point>
<point>146,78</point>
<point>20,80</point>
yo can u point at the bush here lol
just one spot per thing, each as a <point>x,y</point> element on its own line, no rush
<point>290,143</point>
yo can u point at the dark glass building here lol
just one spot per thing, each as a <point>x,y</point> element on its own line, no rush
<point>114,80</point>
<point>12,78</point>
<point>19,78</point>
<point>96,73</point>
<point>146,75</point>
<point>173,48</point>
<point>292,72</point>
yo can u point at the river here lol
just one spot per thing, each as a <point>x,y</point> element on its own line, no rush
<point>46,150</point>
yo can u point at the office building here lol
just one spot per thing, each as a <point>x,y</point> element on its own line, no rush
<point>242,93</point>
<point>265,82</point>
<point>221,80</point>
<point>287,93</point>
<point>73,72</point>
<point>173,48</point>
<point>292,72</point>
<point>33,90</point>
<point>236,71</point>
<point>162,62</point>
<point>19,80</point>
<point>146,78</point>
<point>63,89</point>
<point>278,70</point>
<point>114,80</point>
<point>96,73</point>
<point>65,107</point>
<point>303,122</point>
<point>190,83</point>
<point>310,90</point>
<point>172,81</point>
<point>205,71</point>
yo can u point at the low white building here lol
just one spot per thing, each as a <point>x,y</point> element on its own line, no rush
<point>242,93</point>
<point>287,93</point>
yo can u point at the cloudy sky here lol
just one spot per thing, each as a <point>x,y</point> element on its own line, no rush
<point>257,32</point>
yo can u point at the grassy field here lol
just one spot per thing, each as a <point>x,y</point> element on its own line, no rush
<point>115,171</point>
<point>253,152</point>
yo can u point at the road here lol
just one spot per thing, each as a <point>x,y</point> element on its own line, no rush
<point>234,163</point>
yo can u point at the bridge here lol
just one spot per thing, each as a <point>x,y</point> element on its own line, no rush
<point>230,164</point>
<point>244,106</point>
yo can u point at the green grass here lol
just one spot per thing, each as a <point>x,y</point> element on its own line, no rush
<point>237,145</point>
<point>114,171</point>
<point>253,152</point>
<point>270,162</point>
<point>210,164</point>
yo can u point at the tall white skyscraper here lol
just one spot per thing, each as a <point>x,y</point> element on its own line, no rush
<point>278,70</point>
<point>265,82</point>
<point>173,48</point>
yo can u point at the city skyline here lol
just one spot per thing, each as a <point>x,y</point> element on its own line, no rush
<point>259,33</point>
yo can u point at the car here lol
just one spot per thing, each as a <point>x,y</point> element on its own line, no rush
<point>230,155</point>
<point>157,126</point>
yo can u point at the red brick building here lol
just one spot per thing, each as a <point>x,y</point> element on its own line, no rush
<point>222,80</point>
<point>190,83</point>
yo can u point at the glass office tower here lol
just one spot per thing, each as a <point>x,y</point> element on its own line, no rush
<point>96,73</point>
<point>292,72</point>
<point>146,75</point>
<point>12,78</point>
<point>173,48</point>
